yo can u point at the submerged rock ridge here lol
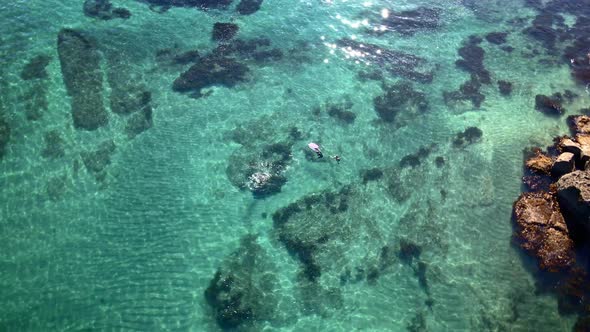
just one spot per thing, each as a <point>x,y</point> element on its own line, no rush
<point>552,219</point>
<point>82,75</point>
<point>242,290</point>
<point>409,22</point>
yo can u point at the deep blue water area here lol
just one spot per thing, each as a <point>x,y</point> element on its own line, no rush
<point>155,173</point>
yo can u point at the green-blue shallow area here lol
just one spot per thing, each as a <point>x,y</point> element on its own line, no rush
<point>159,226</point>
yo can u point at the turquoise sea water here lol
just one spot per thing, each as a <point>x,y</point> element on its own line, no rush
<point>136,246</point>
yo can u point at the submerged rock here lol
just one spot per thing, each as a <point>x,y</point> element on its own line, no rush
<point>208,71</point>
<point>505,87</point>
<point>103,9</point>
<point>469,90</point>
<point>242,291</point>
<point>4,136</point>
<point>472,56</point>
<point>96,161</point>
<point>35,100</point>
<point>260,169</point>
<point>201,4</point>
<point>35,68</point>
<point>497,38</point>
<point>224,31</point>
<point>468,136</point>
<point>394,62</point>
<point>139,122</point>
<point>80,67</point>
<point>248,7</point>
<point>409,22</point>
<point>397,98</point>
<point>543,231</point>
<point>549,105</point>
<point>54,145</point>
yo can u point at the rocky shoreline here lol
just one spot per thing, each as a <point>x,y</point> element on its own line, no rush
<point>552,218</point>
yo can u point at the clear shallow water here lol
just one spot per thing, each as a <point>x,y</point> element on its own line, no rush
<point>138,249</point>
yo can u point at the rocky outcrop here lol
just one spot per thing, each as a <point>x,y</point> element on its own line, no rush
<point>543,231</point>
<point>82,75</point>
<point>563,164</point>
<point>580,124</point>
<point>540,163</point>
<point>553,222</point>
<point>573,192</point>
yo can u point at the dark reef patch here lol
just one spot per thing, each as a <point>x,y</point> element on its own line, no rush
<point>224,31</point>
<point>257,50</point>
<point>469,90</point>
<point>242,291</point>
<point>96,161</point>
<point>504,87</point>
<point>397,98</point>
<point>35,68</point>
<point>35,100</point>
<point>103,10</point>
<point>550,105</point>
<point>54,145</point>
<point>139,122</point>
<point>248,7</point>
<point>80,67</point>
<point>472,56</point>
<point>468,136</point>
<point>176,57</point>
<point>200,4</point>
<point>409,22</point>
<point>415,159</point>
<point>338,110</point>
<point>304,228</point>
<point>373,174</point>
<point>260,164</point>
<point>208,71</point>
<point>394,62</point>
<point>56,187</point>
<point>497,38</point>
<point>4,136</point>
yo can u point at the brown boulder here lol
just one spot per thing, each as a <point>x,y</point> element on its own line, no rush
<point>563,164</point>
<point>580,123</point>
<point>566,144</point>
<point>573,193</point>
<point>543,231</point>
<point>540,163</point>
